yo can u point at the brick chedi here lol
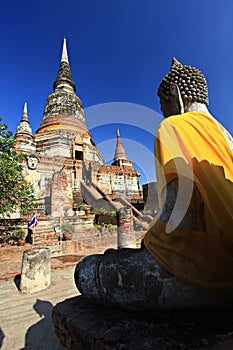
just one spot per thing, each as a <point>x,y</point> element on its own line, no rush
<point>24,137</point>
<point>120,178</point>
<point>62,153</point>
<point>120,157</point>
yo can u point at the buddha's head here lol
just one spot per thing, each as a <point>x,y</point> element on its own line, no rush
<point>183,89</point>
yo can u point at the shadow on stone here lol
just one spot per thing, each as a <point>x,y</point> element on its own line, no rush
<point>80,325</point>
<point>17,280</point>
<point>1,337</point>
<point>42,335</point>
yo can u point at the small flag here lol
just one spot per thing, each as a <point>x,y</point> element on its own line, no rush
<point>33,223</point>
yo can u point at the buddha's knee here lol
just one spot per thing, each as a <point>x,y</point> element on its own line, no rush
<point>129,278</point>
<point>85,276</point>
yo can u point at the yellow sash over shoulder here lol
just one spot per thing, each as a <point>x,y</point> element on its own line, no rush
<point>195,145</point>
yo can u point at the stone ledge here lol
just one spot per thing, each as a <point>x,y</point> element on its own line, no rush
<point>80,325</point>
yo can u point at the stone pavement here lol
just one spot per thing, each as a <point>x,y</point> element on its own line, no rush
<point>25,319</point>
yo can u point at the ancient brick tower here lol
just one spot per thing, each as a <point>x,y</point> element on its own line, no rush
<point>24,137</point>
<point>120,178</point>
<point>120,157</point>
<point>62,154</point>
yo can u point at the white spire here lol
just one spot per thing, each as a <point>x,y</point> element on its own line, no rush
<point>64,56</point>
<point>24,125</point>
<point>25,109</point>
<point>25,113</point>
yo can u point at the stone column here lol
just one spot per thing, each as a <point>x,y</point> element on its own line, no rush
<point>36,271</point>
<point>125,230</point>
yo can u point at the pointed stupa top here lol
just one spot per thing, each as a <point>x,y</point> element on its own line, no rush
<point>119,152</point>
<point>64,55</point>
<point>63,108</point>
<point>25,113</point>
<point>64,79</point>
<point>24,125</point>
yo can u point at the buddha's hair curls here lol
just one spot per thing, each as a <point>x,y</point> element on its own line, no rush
<point>190,80</point>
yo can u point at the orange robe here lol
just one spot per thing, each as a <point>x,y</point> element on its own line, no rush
<point>195,145</point>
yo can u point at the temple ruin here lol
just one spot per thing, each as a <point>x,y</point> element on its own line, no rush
<point>63,163</point>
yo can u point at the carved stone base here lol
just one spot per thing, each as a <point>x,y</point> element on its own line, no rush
<point>82,326</point>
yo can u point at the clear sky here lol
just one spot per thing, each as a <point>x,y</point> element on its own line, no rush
<point>119,50</point>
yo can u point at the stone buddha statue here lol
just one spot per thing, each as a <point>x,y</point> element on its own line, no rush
<point>186,255</point>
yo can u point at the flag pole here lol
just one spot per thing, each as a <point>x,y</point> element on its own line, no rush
<point>60,233</point>
<point>32,227</point>
<point>33,237</point>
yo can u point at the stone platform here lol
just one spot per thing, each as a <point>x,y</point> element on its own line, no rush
<point>82,326</point>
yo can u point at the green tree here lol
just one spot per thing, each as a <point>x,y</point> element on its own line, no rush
<point>15,192</point>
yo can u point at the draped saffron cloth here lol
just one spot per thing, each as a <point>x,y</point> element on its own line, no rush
<point>196,146</point>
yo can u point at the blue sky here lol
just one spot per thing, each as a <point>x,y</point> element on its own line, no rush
<point>119,50</point>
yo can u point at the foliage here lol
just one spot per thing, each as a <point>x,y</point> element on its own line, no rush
<point>82,207</point>
<point>19,233</point>
<point>96,211</point>
<point>85,208</point>
<point>103,212</point>
<point>146,212</point>
<point>98,226</point>
<point>110,227</point>
<point>15,192</point>
<point>67,228</point>
<point>12,236</point>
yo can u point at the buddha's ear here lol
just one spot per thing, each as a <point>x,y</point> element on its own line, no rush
<point>175,96</point>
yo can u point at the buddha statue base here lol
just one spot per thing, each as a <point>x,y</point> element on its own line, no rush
<point>84,326</point>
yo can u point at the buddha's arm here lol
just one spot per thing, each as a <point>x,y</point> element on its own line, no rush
<point>169,198</point>
<point>193,216</point>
